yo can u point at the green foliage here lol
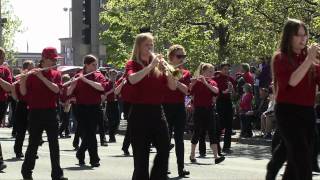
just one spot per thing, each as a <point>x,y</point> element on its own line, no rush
<point>10,28</point>
<point>211,30</point>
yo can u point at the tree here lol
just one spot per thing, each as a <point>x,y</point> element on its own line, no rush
<point>211,30</point>
<point>10,28</point>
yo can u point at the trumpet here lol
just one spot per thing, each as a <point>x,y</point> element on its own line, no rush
<point>170,69</point>
<point>76,79</point>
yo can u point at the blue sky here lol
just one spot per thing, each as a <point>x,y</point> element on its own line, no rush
<point>44,22</point>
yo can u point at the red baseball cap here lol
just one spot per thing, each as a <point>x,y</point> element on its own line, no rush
<point>50,53</point>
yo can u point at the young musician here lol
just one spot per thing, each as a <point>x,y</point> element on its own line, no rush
<point>112,108</point>
<point>65,109</point>
<point>174,107</point>
<point>124,91</point>
<point>42,90</point>
<point>295,73</point>
<point>87,91</point>
<point>203,89</point>
<point>21,112</point>
<point>226,85</point>
<point>146,119</point>
<point>5,86</point>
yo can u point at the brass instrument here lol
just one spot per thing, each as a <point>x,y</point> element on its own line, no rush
<point>170,69</point>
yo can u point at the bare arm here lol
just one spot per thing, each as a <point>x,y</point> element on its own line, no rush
<point>119,88</point>
<point>5,85</point>
<point>302,70</point>
<point>95,85</point>
<point>182,87</point>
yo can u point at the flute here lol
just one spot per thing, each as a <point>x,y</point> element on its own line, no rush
<point>196,78</point>
<point>32,72</point>
<point>77,78</point>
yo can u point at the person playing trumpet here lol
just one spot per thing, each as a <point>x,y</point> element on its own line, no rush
<point>174,107</point>
<point>146,121</point>
<point>42,89</point>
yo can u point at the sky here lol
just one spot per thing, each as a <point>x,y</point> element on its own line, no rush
<point>44,22</point>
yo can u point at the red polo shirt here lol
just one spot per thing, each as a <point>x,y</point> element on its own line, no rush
<point>222,81</point>
<point>86,94</point>
<point>304,92</point>
<point>246,102</point>
<point>111,97</point>
<point>39,96</point>
<point>6,75</point>
<point>150,90</point>
<point>20,97</point>
<point>177,96</point>
<point>127,91</point>
<point>248,78</point>
<point>202,95</point>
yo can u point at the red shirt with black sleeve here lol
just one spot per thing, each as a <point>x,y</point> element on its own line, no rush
<point>304,92</point>
<point>111,97</point>
<point>150,90</point>
<point>39,96</point>
<point>246,102</point>
<point>6,75</point>
<point>248,78</point>
<point>85,94</point>
<point>177,96</point>
<point>202,95</point>
<point>222,81</point>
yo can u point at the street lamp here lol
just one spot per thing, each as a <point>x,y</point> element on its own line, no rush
<point>69,10</point>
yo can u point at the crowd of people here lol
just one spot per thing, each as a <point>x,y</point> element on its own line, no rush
<point>159,97</point>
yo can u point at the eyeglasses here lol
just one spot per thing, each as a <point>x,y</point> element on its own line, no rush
<point>181,56</point>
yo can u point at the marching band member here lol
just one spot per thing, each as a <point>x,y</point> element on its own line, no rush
<point>146,120</point>
<point>42,90</point>
<point>87,91</point>
<point>203,89</point>
<point>296,72</point>
<point>226,85</point>
<point>174,107</point>
<point>112,108</point>
<point>5,86</point>
<point>21,112</point>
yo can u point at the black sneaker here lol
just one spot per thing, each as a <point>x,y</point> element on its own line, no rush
<point>96,164</point>
<point>171,147</point>
<point>60,178</point>
<point>126,152</point>
<point>19,155</point>
<point>2,166</point>
<point>193,160</point>
<point>81,160</point>
<point>103,143</point>
<point>183,173</point>
<point>112,140</point>
<point>27,177</point>
<point>219,159</point>
<point>67,136</point>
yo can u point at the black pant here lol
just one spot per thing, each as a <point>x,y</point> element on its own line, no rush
<point>225,111</point>
<point>296,125</point>
<point>204,121</point>
<point>39,120</point>
<point>176,118</point>
<point>101,127</point>
<point>127,137</point>
<point>112,113</point>
<point>3,105</point>
<point>12,120</point>
<point>21,125</point>
<point>246,127</point>
<point>76,137</point>
<point>148,125</point>
<point>89,115</point>
<point>65,118</point>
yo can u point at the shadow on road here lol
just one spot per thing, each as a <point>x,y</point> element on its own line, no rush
<point>79,168</point>
<point>13,159</point>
